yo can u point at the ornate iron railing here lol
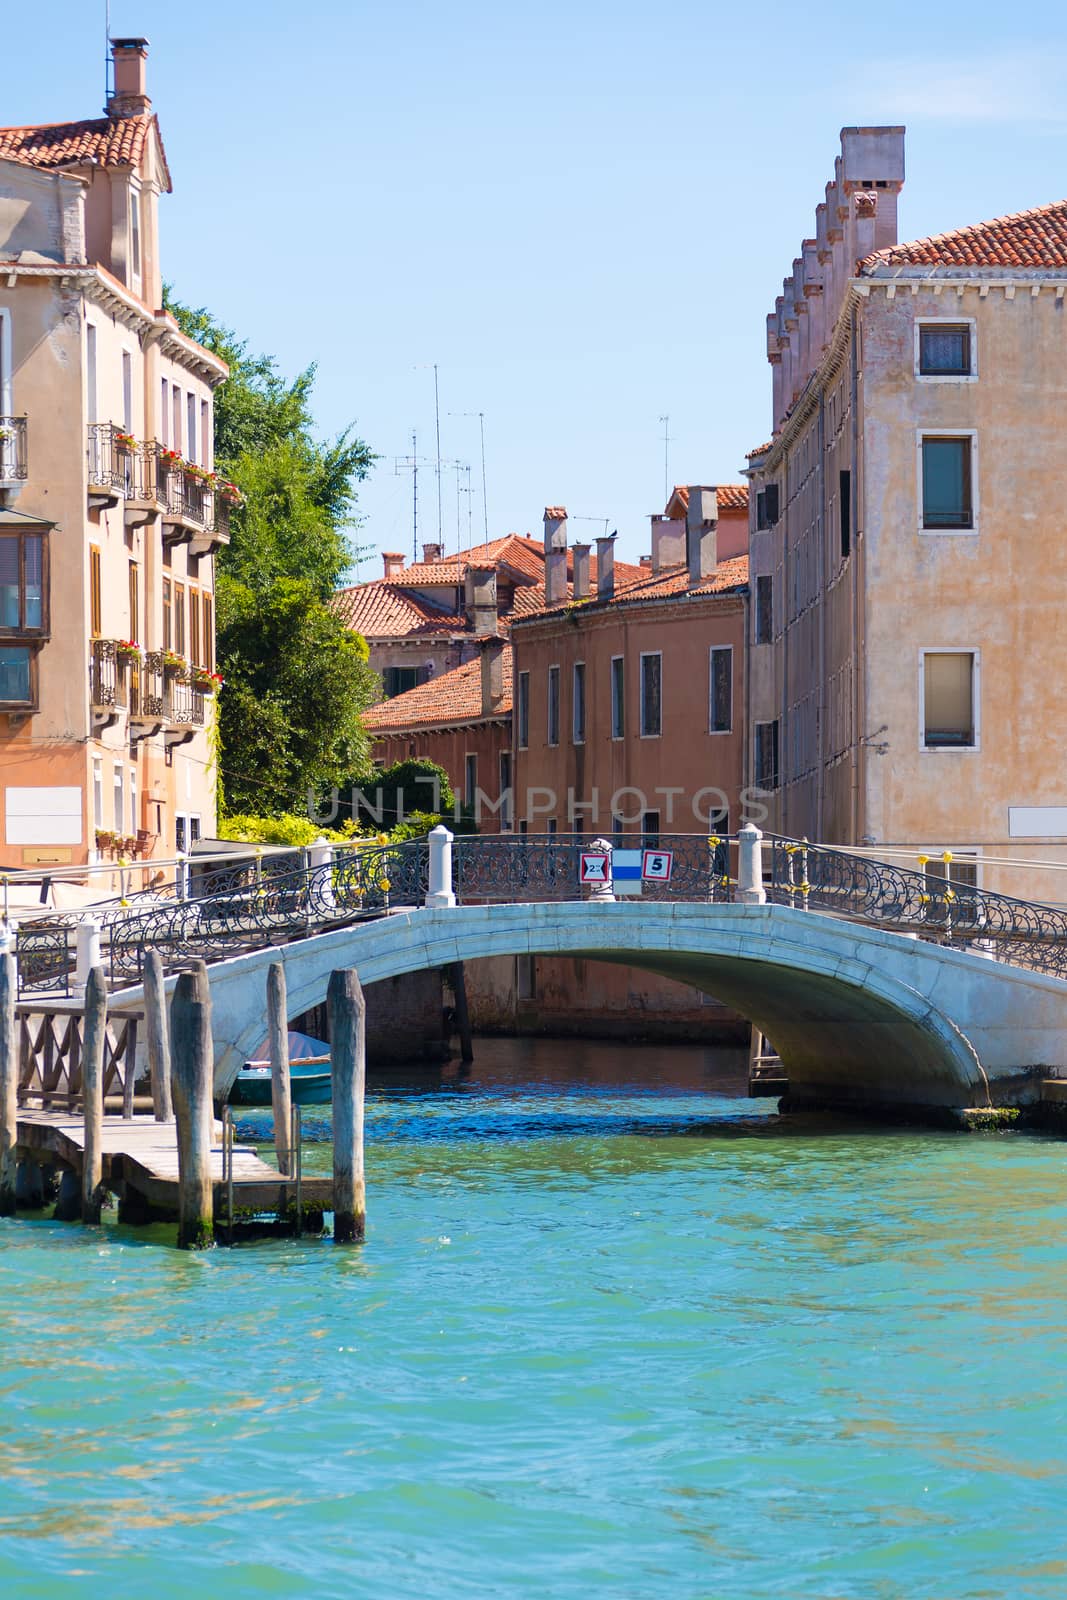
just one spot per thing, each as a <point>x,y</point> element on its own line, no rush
<point>189,501</point>
<point>183,701</point>
<point>546,866</point>
<point>111,465</point>
<point>14,459</point>
<point>812,877</point>
<point>108,676</point>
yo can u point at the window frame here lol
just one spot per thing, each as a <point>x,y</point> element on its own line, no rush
<point>649,655</point>
<point>971,324</point>
<point>522,706</point>
<point>938,531</point>
<point>618,698</point>
<point>758,634</point>
<point>21,634</point>
<point>767,788</point>
<point>470,777</point>
<point>552,705</point>
<point>32,701</point>
<point>578,702</point>
<point>713,651</point>
<point>976,699</point>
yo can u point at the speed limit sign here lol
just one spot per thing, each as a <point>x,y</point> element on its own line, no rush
<point>656,866</point>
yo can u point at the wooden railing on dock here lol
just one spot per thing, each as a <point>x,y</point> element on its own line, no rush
<point>51,1045</point>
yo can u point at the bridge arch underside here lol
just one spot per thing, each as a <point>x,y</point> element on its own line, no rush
<point>847,1008</point>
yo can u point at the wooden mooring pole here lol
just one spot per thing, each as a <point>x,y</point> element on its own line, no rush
<point>346,1010</point>
<point>278,1050</point>
<point>463,1021</point>
<point>93,1043</point>
<point>192,1075</point>
<point>157,1035</point>
<point>9,1084</point>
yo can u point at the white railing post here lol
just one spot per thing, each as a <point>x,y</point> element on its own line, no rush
<point>750,890</point>
<point>440,895</point>
<point>86,952</point>
<point>321,856</point>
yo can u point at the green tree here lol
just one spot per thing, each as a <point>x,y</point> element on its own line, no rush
<point>296,678</point>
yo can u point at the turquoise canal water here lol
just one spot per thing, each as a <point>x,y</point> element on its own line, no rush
<point>616,1331</point>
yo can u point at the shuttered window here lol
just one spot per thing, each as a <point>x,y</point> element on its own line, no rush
<point>95,608</point>
<point>948,698</point>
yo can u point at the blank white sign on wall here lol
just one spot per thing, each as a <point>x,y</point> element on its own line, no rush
<point>1037,822</point>
<point>43,816</point>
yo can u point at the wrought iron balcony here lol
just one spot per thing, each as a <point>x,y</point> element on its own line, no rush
<point>147,695</point>
<point>14,465</point>
<point>109,682</point>
<point>184,702</point>
<point>111,463</point>
<point>146,484</point>
<point>217,529</point>
<point>188,507</point>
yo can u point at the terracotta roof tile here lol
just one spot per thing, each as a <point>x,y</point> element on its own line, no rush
<point>430,574</point>
<point>455,696</point>
<point>1036,238</point>
<point>732,574</point>
<point>730,496</point>
<point>101,141</point>
<point>383,610</point>
<point>759,450</point>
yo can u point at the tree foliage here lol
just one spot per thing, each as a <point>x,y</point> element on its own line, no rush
<point>296,678</point>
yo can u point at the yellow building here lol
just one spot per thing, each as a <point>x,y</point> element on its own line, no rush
<point>908,648</point>
<point>110,513</point>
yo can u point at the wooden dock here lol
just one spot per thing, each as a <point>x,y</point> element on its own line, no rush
<point>140,1165</point>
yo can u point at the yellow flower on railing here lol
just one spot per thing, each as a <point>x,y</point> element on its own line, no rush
<point>805,887</point>
<point>385,886</point>
<point>923,860</point>
<point>714,841</point>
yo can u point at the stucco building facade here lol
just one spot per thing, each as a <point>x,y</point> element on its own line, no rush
<point>906,645</point>
<point>110,513</point>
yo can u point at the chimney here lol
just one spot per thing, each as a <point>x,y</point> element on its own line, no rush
<point>431,553</point>
<point>393,562</point>
<point>129,95</point>
<point>580,580</point>
<point>492,677</point>
<point>555,555</point>
<point>605,567</point>
<point>701,517</point>
<point>479,597</point>
<point>668,543</point>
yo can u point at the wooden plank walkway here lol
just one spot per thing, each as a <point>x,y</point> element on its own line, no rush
<point>142,1154</point>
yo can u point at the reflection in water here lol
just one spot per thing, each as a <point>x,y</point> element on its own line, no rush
<point>616,1330</point>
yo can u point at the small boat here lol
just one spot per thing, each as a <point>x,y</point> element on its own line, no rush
<point>309,1075</point>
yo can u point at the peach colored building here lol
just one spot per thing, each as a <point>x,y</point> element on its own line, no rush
<point>110,513</point>
<point>907,642</point>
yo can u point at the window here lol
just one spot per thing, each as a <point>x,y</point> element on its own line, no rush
<point>135,821</point>
<point>135,231</point>
<point>523,717</point>
<point>764,608</point>
<point>23,559</point>
<point>721,690</point>
<point>190,427</point>
<point>578,704</point>
<point>207,631</point>
<point>164,414</point>
<point>470,779</point>
<point>134,607</point>
<point>553,705</point>
<point>616,826</point>
<point>650,829</point>
<point>771,503</point>
<point>766,743</point>
<point>761,509</point>
<point>945,349</point>
<point>553,826</point>
<point>947,500</point>
<point>194,627</point>
<point>127,391</point>
<point>844,511</point>
<point>949,699</point>
<point>505,795</point>
<point>205,433</point>
<point>618,697</point>
<point>176,419</point>
<point>398,680</point>
<point>120,825</point>
<point>179,619</point>
<point>98,792</point>
<point>17,686</point>
<point>91,404</point>
<point>95,597</point>
<point>168,616</point>
<point>651,695</point>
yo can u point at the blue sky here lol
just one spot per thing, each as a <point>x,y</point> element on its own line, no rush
<point>581,212</point>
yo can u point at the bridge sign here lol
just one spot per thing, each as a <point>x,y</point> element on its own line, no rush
<point>656,866</point>
<point>626,871</point>
<point>594,867</point>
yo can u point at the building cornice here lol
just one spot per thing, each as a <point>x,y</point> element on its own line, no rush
<point>615,610</point>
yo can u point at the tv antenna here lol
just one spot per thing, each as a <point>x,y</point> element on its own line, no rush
<point>605,520</point>
<point>424,366</point>
<point>666,421</point>
<point>481,429</point>
<point>412,463</point>
<point>107,53</point>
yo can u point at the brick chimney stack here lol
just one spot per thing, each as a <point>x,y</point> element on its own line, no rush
<point>701,539</point>
<point>479,598</point>
<point>555,555</point>
<point>668,543</point>
<point>431,553</point>
<point>129,96</point>
<point>492,677</point>
<point>580,579</point>
<point>393,562</point>
<point>605,567</point>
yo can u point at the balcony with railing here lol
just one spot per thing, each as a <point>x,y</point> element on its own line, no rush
<point>184,706</point>
<point>145,484</point>
<point>188,508</point>
<point>109,681</point>
<point>147,695</point>
<point>111,465</point>
<point>14,460</point>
